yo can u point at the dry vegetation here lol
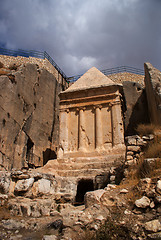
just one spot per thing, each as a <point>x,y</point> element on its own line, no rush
<point>153,150</point>
<point>146,129</point>
<point>107,231</point>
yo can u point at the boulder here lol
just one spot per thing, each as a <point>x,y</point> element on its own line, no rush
<point>158,187</point>
<point>93,197</point>
<point>136,106</point>
<point>153,92</point>
<point>4,182</point>
<point>134,148</point>
<point>49,237</point>
<point>44,186</point>
<point>24,185</point>
<point>155,236</point>
<point>144,185</point>
<point>143,202</point>
<point>153,226</point>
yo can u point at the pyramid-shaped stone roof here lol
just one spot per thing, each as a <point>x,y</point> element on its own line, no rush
<point>93,78</point>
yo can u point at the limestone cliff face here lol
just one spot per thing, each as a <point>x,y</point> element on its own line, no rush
<point>153,91</point>
<point>28,117</point>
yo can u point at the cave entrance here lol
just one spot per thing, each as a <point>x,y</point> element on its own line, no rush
<point>48,154</point>
<point>29,152</point>
<point>84,185</point>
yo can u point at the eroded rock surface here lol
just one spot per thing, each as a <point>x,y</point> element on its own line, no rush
<point>153,92</point>
<point>29,117</point>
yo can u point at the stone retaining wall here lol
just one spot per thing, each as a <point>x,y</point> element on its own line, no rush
<point>125,76</point>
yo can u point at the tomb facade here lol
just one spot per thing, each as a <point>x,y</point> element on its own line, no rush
<point>90,118</point>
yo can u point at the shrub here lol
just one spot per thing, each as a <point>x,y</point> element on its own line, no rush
<point>153,150</point>
<point>1,65</point>
<point>145,129</point>
<point>107,231</point>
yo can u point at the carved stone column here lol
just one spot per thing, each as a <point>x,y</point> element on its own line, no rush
<point>81,130</point>
<point>98,128</point>
<point>63,135</point>
<point>117,124</point>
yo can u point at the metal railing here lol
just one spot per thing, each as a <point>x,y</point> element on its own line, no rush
<point>32,53</point>
<point>45,55</point>
<point>110,71</point>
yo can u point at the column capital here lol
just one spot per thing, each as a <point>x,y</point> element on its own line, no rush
<point>98,106</point>
<point>117,102</point>
<point>82,108</point>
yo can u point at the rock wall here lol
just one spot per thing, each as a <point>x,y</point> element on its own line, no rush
<point>42,63</point>
<point>126,76</point>
<point>29,117</point>
<point>136,107</point>
<point>153,91</point>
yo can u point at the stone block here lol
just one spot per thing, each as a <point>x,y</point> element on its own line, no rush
<point>134,148</point>
<point>153,226</point>
<point>24,185</point>
<point>158,186</point>
<point>143,202</point>
<point>93,197</point>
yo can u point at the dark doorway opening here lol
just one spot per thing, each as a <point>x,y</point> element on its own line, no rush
<point>29,152</point>
<point>48,154</point>
<point>84,185</point>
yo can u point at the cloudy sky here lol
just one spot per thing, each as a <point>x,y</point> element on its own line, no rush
<point>79,34</point>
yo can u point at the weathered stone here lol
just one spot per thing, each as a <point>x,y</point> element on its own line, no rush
<point>4,182</point>
<point>29,107</point>
<point>49,237</point>
<point>144,184</point>
<point>93,197</point>
<point>106,200</point>
<point>130,153</point>
<point>110,187</point>
<point>130,162</point>
<point>12,224</point>
<point>152,205</point>
<point>153,92</point>
<point>3,199</point>
<point>130,140</point>
<point>124,191</point>
<point>24,185</point>
<point>155,236</point>
<point>153,226</point>
<point>143,202</point>
<point>134,148</point>
<point>129,158</point>
<point>44,186</point>
<point>136,106</point>
<point>19,175</point>
<point>87,128</point>
<point>158,199</point>
<point>148,138</point>
<point>158,187</point>
<point>141,142</point>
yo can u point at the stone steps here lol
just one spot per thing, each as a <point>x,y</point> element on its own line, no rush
<point>108,158</point>
<point>81,173</point>
<point>79,166</point>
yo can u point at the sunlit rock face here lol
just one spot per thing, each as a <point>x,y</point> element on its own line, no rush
<point>153,92</point>
<point>29,117</point>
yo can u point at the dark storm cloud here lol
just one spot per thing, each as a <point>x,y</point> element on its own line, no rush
<point>86,33</point>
